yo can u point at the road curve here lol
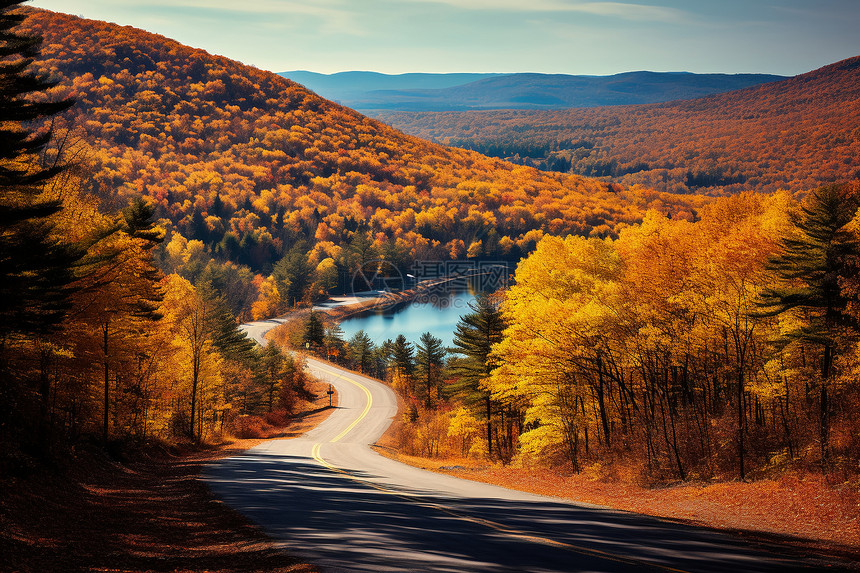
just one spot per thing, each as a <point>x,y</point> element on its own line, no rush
<point>330,499</point>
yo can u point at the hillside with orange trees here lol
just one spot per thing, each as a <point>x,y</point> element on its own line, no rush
<point>136,224</point>
<point>97,344</point>
<point>252,164</point>
<point>794,134</point>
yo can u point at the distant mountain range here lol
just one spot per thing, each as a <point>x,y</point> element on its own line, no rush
<point>256,167</point>
<point>795,134</point>
<point>369,91</point>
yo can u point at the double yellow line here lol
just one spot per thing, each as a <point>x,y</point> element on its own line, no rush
<point>315,452</point>
<point>316,449</point>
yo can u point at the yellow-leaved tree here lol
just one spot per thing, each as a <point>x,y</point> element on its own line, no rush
<point>558,349</point>
<point>197,379</point>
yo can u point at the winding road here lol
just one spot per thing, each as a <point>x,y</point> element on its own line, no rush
<point>328,498</point>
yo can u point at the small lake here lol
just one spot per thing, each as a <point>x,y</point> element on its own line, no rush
<point>439,318</point>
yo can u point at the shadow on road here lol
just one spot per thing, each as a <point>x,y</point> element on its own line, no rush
<point>345,524</point>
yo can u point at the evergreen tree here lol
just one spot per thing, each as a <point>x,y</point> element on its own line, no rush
<point>139,294</point>
<point>357,258</point>
<point>139,223</point>
<point>293,275</point>
<point>476,334</point>
<point>37,269</point>
<point>382,357</point>
<point>430,356</point>
<point>403,361</point>
<point>314,335</point>
<point>403,355</point>
<point>333,341</point>
<point>809,270</point>
<point>217,208</point>
<point>232,343</point>
<point>361,351</point>
<point>229,246</point>
<point>233,282</point>
<point>271,373</point>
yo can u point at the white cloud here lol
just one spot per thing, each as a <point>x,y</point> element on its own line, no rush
<point>622,10</point>
<point>331,16</point>
<point>640,12</point>
<point>255,7</point>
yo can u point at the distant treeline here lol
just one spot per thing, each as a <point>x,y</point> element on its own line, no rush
<point>794,134</point>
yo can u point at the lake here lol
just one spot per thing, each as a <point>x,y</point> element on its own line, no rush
<point>439,318</point>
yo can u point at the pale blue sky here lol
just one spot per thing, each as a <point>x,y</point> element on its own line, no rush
<point>552,36</point>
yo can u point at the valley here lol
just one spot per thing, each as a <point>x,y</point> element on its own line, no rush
<point>794,134</point>
<point>647,288</point>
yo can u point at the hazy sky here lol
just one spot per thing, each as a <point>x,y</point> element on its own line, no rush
<point>553,36</point>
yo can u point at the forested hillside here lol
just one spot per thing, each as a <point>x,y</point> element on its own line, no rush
<point>97,344</point>
<point>672,335</point>
<point>254,166</point>
<point>142,213</point>
<point>723,348</point>
<point>795,134</point>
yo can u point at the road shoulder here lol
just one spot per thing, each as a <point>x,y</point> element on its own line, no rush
<point>151,513</point>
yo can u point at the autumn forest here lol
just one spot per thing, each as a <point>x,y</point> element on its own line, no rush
<point>794,134</point>
<point>685,304</point>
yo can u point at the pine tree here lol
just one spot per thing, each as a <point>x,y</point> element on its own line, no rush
<point>382,357</point>
<point>809,270</point>
<point>476,334</point>
<point>403,355</point>
<point>271,372</point>
<point>430,355</point>
<point>293,275</point>
<point>138,221</point>
<point>314,336</point>
<point>231,343</point>
<point>403,360</point>
<point>334,342</point>
<point>36,268</point>
<point>361,350</point>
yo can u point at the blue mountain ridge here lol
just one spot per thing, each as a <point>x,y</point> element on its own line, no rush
<point>462,91</point>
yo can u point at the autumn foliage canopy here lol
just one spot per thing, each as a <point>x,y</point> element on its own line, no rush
<point>795,134</point>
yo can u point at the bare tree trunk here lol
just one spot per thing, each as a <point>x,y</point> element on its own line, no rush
<point>604,416</point>
<point>195,378</point>
<point>107,383</point>
<point>741,423</point>
<point>824,414</point>
<point>489,428</point>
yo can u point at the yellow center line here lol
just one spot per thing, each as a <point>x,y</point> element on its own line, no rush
<point>366,407</point>
<point>315,452</point>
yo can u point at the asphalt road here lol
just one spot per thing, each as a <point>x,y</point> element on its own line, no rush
<point>330,499</point>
